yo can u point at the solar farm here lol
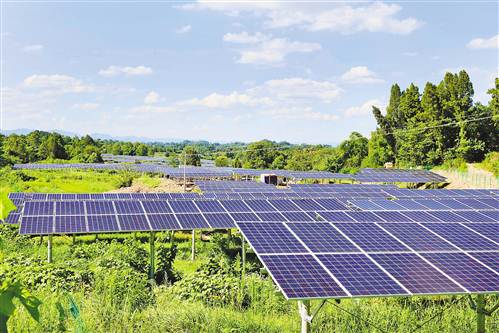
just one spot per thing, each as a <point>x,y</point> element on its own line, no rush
<point>318,242</point>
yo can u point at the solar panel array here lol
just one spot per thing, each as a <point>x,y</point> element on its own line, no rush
<point>132,159</point>
<point>375,175</point>
<point>365,254</point>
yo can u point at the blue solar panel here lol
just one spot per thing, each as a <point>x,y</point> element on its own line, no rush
<point>360,276</point>
<point>37,225</point>
<point>415,274</point>
<point>128,207</point>
<point>284,205</point>
<point>163,222</point>
<point>462,237</point>
<point>209,206</point>
<point>102,223</point>
<point>331,204</point>
<point>474,216</point>
<point>417,237</point>
<point>322,237</point>
<point>474,203</point>
<point>235,206</point>
<point>70,224</point>
<point>100,207</point>
<point>490,259</point>
<point>38,208</point>
<point>420,216</point>
<point>364,217</point>
<point>336,217</point>
<point>411,204</point>
<point>301,276</point>
<point>370,237</point>
<point>219,220</point>
<point>435,204</point>
<point>260,205</point>
<point>491,214</point>
<point>298,216</point>
<point>156,207</point>
<point>183,207</point>
<point>447,216</point>
<point>13,218</point>
<point>69,208</point>
<point>267,237</point>
<point>133,223</point>
<point>468,272</point>
<point>192,221</point>
<point>489,230</point>
<point>244,217</point>
<point>307,205</point>
<point>393,216</point>
<point>271,217</point>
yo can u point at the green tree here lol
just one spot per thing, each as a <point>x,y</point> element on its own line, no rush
<point>14,149</point>
<point>379,151</point>
<point>260,154</point>
<point>222,161</point>
<point>53,147</point>
<point>190,156</point>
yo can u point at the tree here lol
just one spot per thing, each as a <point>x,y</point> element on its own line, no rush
<point>379,151</point>
<point>349,155</point>
<point>260,154</point>
<point>190,156</point>
<point>14,149</point>
<point>53,147</point>
<point>393,115</point>
<point>222,161</point>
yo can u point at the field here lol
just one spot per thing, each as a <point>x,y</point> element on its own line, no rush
<point>100,284</point>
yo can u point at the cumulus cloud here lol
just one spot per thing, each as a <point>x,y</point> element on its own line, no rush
<point>125,70</point>
<point>360,74</point>
<point>86,106</point>
<point>57,84</point>
<point>216,100</point>
<point>264,50</point>
<point>151,98</point>
<point>36,48</point>
<point>296,113</point>
<point>183,29</point>
<point>363,109</point>
<point>484,43</point>
<point>342,18</point>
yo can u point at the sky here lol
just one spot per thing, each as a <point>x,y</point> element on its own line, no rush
<point>304,72</point>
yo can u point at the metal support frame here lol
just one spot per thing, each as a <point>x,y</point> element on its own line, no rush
<point>152,255</point>
<point>193,245</point>
<point>49,249</point>
<point>481,312</point>
<point>243,253</point>
<point>304,308</point>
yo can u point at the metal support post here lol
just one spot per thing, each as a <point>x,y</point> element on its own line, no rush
<point>193,245</point>
<point>306,320</point>
<point>49,249</point>
<point>243,254</point>
<point>480,313</point>
<point>152,255</point>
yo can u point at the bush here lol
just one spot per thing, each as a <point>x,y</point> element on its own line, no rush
<point>491,163</point>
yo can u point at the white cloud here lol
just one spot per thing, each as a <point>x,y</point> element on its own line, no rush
<point>364,109</point>
<point>299,89</point>
<point>151,98</point>
<point>216,100</point>
<point>36,48</point>
<point>153,109</point>
<point>264,50</point>
<point>86,106</point>
<point>57,84</point>
<point>245,38</point>
<point>484,43</point>
<point>411,54</point>
<point>375,17</point>
<point>125,70</point>
<point>296,113</point>
<point>360,74</point>
<point>184,29</point>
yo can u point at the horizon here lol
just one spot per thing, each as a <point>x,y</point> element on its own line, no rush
<point>222,72</point>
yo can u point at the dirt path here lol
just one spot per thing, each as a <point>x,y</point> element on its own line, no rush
<point>165,186</point>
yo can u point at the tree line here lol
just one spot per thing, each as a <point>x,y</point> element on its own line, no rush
<point>426,129</point>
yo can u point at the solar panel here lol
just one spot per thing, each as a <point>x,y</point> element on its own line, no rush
<point>100,207</point>
<point>360,276</point>
<point>269,237</point>
<point>163,222</point>
<point>417,237</point>
<point>102,223</point>
<point>69,208</point>
<point>392,216</point>
<point>489,230</point>
<point>468,272</point>
<point>462,237</point>
<point>220,220</point>
<point>336,217</point>
<point>37,225</point>
<point>370,237</point>
<point>13,218</point>
<point>156,207</point>
<point>206,206</point>
<point>420,216</point>
<point>38,208</point>
<point>192,221</point>
<point>297,216</point>
<point>70,224</point>
<point>322,237</point>
<point>241,217</point>
<point>301,276</point>
<point>271,217</point>
<point>490,259</point>
<point>183,207</point>
<point>133,223</point>
<point>236,206</point>
<point>418,276</point>
<point>364,217</point>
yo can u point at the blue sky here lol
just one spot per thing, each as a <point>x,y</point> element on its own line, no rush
<point>300,72</point>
